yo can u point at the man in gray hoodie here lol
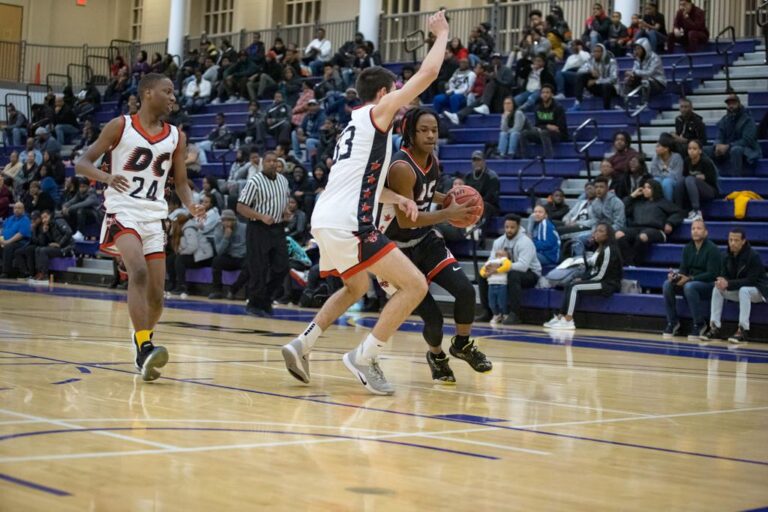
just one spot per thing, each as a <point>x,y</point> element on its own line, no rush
<point>648,70</point>
<point>524,273</point>
<point>601,80</point>
<point>605,208</point>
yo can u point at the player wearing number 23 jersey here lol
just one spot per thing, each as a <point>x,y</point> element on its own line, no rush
<point>145,161</point>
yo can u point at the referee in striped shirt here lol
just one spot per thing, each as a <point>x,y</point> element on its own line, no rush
<point>263,201</point>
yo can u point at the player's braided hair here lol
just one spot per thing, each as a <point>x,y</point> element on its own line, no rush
<point>408,124</point>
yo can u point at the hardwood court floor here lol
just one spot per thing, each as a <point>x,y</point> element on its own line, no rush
<point>599,421</point>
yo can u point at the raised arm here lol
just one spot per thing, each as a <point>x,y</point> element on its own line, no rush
<point>385,110</point>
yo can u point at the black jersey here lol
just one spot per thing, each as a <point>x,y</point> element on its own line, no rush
<point>423,192</point>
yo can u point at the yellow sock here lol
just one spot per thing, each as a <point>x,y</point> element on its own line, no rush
<point>143,336</point>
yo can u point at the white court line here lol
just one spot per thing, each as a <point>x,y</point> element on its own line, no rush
<point>77,427</point>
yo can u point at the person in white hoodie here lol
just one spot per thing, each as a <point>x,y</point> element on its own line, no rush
<point>197,93</point>
<point>456,90</point>
<point>576,65</point>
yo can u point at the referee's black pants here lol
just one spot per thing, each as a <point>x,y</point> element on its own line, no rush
<point>267,262</point>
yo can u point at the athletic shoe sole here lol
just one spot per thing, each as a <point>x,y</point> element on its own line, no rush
<point>293,363</point>
<point>359,376</point>
<point>157,359</point>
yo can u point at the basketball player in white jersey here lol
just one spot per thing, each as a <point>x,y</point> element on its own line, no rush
<point>345,220</point>
<point>143,150</point>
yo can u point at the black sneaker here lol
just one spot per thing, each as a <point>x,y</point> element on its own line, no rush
<point>712,334</point>
<point>740,336</point>
<point>215,296</point>
<point>472,356</point>
<point>511,319</point>
<point>670,331</point>
<point>149,358</point>
<point>441,371</point>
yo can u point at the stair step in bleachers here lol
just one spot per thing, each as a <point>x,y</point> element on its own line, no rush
<point>746,71</point>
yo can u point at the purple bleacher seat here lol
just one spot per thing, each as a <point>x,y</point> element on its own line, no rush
<point>62,264</point>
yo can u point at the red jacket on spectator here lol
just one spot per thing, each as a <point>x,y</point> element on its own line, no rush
<point>695,22</point>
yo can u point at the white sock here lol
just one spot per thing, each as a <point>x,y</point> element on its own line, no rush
<point>370,348</point>
<point>309,336</point>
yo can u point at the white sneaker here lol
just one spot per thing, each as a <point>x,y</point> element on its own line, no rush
<point>183,296</point>
<point>496,319</point>
<point>482,109</point>
<point>549,324</point>
<point>559,96</point>
<point>452,117</point>
<point>564,325</point>
<point>694,215</point>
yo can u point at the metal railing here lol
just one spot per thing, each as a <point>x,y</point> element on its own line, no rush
<point>687,78</point>
<point>725,52</point>
<point>531,191</point>
<point>642,92</point>
<point>584,150</point>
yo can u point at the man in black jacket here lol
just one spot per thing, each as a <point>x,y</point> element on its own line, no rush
<point>742,279</point>
<point>551,125</point>
<point>688,126</point>
<point>486,182</point>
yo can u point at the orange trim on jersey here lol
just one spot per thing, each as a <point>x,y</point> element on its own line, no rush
<point>350,272</point>
<point>423,171</point>
<point>154,256</point>
<point>440,266</point>
<point>152,139</point>
<point>373,122</point>
<point>329,273</point>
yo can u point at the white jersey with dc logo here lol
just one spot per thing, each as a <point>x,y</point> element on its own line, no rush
<point>350,201</point>
<point>145,161</point>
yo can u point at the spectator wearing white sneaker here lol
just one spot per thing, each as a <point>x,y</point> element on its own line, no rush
<point>602,277</point>
<point>575,65</point>
<point>699,181</point>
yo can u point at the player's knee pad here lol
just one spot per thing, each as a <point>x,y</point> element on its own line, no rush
<point>464,304</point>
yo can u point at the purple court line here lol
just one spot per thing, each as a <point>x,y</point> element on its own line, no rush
<point>253,431</point>
<point>426,416</point>
<point>33,485</point>
<point>67,381</point>
<point>83,369</point>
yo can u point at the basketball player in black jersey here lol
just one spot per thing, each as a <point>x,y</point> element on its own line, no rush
<point>414,173</point>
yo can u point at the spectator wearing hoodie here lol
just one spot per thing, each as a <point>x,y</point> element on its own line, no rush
<point>618,36</point>
<point>83,209</point>
<point>576,65</point>
<point>607,208</point>
<point>545,237</point>
<point>650,219</point>
<point>550,125</point>
<point>647,70</point>
<point>596,27</point>
<point>689,28</point>
<point>741,279</point>
<point>523,273</point>
<point>667,166</point>
<point>456,90</point>
<point>688,126</point>
<point>736,140</point>
<point>601,79</point>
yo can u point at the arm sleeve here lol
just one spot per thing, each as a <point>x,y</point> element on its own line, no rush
<point>604,264</point>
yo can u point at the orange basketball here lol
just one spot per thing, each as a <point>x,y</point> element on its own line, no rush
<point>464,194</point>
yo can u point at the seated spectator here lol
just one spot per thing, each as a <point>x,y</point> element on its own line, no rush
<point>27,173</point>
<point>596,27</point>
<point>602,277</point>
<point>227,50</point>
<point>229,238</point>
<point>211,186</point>
<point>557,54</point>
<point>650,219</point>
<point>255,127</point>
<point>197,93</point>
<point>622,152</point>
<point>667,166</point>
<point>575,220</point>
<point>45,142</point>
<point>13,167</point>
<point>301,188</point>
<point>256,50</point>
<point>318,52</point>
<point>513,123</point>
<point>495,272</point>
<point>736,140</point>
<point>653,26</point>
<point>70,188</point>
<point>486,182</point>
<point>741,279</point>
<point>613,178</point>
<point>265,81</point>
<point>634,29</point>
<point>192,250</point>
<point>456,90</point>
<point>170,68</point>
<point>193,159</point>
<point>54,168</point>
<point>618,36</point>
<point>295,220</point>
<point>15,129</point>
<point>499,80</point>
<point>330,87</point>
<point>6,197</point>
<point>634,179</point>
<point>220,137</point>
<point>236,77</point>
<point>551,126</point>
<point>688,126</point>
<point>88,100</point>
<point>35,200</point>
<point>278,120</point>
<point>119,76</point>
<point>309,131</point>
<point>537,78</point>
<point>83,209</point>
<point>561,26</point>
<point>180,118</point>
<point>545,237</point>
<point>24,259</point>
<point>327,143</point>
<point>291,86</point>
<point>479,45</point>
<point>600,80</point>
<point>278,46</point>
<point>699,181</point>
<point>693,279</point>
<point>576,65</point>
<point>606,208</point>
<point>319,179</point>
<point>88,136</point>
<point>49,186</point>
<point>689,28</point>
<point>346,54</point>
<point>64,121</point>
<point>208,224</point>
<point>647,71</point>
<point>17,230</point>
<point>524,272</point>
<point>556,207</point>
<point>241,171</point>
<point>457,49</point>
<point>31,148</point>
<point>342,107</point>
<point>54,240</point>
<point>301,107</point>
<point>449,65</point>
